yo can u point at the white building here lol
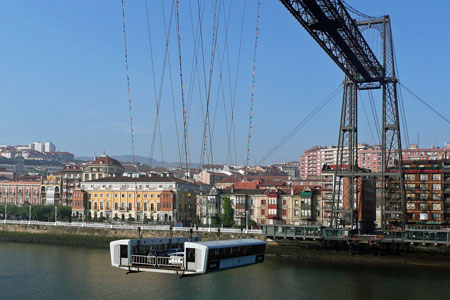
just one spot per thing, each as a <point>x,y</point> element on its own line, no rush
<point>42,147</point>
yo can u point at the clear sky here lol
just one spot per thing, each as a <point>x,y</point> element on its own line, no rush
<point>63,76</point>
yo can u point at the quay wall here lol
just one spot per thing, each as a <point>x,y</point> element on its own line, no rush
<point>94,237</point>
<point>419,255</point>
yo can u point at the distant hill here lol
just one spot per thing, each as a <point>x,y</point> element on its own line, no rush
<point>140,159</point>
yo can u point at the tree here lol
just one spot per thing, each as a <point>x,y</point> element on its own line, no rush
<point>227,218</point>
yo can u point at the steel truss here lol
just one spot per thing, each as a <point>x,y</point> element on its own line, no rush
<point>330,24</point>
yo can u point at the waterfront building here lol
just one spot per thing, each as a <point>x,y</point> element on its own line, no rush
<point>446,190</point>
<point>424,188</point>
<point>71,179</point>
<point>154,198</point>
<point>20,192</point>
<point>101,167</point>
<point>209,206</point>
<point>51,187</point>
<point>79,204</point>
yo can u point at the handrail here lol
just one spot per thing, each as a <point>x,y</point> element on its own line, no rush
<point>132,227</point>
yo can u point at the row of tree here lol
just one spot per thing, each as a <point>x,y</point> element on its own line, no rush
<point>38,212</point>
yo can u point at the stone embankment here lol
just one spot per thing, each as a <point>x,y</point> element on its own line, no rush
<point>94,237</point>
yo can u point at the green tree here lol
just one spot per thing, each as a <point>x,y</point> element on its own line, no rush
<point>227,218</point>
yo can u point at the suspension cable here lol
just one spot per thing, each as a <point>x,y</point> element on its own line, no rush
<point>252,98</point>
<point>425,103</point>
<point>206,128</point>
<point>128,81</point>
<point>302,123</point>
<point>182,84</point>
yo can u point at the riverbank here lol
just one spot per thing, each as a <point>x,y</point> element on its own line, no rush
<point>100,238</point>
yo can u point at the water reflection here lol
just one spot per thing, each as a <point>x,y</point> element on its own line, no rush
<point>62,272</point>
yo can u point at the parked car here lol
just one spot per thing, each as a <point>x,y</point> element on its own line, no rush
<point>176,259</point>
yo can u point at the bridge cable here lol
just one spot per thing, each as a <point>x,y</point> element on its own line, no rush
<point>425,103</point>
<point>302,123</point>
<point>128,82</point>
<point>206,128</point>
<point>157,103</point>
<point>252,97</point>
<point>182,84</point>
<point>221,88</point>
<point>235,83</point>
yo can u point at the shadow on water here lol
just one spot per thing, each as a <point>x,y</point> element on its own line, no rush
<point>62,272</point>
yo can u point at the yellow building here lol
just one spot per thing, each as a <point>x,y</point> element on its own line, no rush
<point>156,198</point>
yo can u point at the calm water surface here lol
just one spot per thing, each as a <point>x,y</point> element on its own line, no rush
<point>31,271</point>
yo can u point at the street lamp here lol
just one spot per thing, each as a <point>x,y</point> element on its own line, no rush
<point>29,214</point>
<point>56,213</point>
<point>246,219</point>
<point>5,211</point>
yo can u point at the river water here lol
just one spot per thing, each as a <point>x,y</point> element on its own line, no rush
<point>33,271</point>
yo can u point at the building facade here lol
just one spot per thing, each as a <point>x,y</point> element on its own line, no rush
<point>20,192</point>
<point>156,198</point>
<point>51,188</point>
<point>101,167</point>
<point>71,180</point>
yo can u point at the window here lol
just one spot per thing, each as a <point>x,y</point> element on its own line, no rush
<point>116,206</point>
<point>95,205</point>
<point>284,212</point>
<point>138,206</point>
<point>423,196</point>
<point>263,202</point>
<point>437,197</point>
<point>284,201</point>
<point>296,212</point>
<point>101,195</point>
<point>410,196</point>
<point>145,206</point>
<point>130,206</point>
<point>423,176</point>
<point>410,186</point>
<point>145,196</point>
<point>436,176</point>
<point>152,196</point>
<point>263,212</point>
<point>101,205</point>
<point>423,216</point>
<point>423,187</point>
<point>190,255</point>
<point>437,206</point>
<point>436,187</point>
<point>152,206</point>
<point>296,202</point>
<point>410,205</point>
<point>409,176</point>
<point>116,195</point>
<point>272,211</point>
<point>423,206</point>
<point>437,217</point>
<point>107,205</point>
<point>107,195</point>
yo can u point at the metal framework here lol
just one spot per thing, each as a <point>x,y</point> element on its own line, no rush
<point>330,24</point>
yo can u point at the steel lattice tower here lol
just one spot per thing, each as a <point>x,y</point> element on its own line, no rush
<point>330,24</point>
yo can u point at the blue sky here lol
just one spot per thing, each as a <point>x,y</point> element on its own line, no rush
<point>63,76</point>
